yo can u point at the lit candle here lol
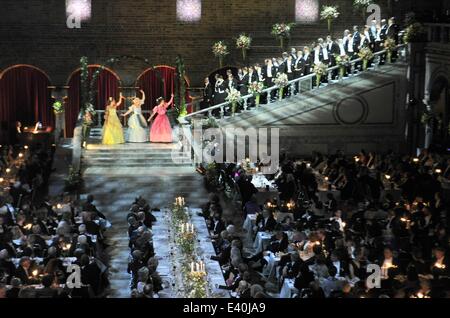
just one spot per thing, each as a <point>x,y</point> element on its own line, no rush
<point>59,206</point>
<point>35,272</point>
<point>25,147</point>
<point>388,177</point>
<point>416,160</point>
<point>20,155</point>
<point>8,170</point>
<point>439,265</point>
<point>1,179</point>
<point>438,171</point>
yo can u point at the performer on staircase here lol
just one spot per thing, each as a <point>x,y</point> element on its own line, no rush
<point>112,130</point>
<point>137,126</point>
<point>161,132</point>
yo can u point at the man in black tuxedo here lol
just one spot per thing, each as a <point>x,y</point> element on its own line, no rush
<point>356,39</point>
<point>299,70</point>
<point>393,30</point>
<point>294,53</point>
<point>207,94</point>
<point>88,206</point>
<point>219,90</point>
<point>308,58</point>
<point>231,81</point>
<point>23,271</point>
<point>265,221</point>
<point>269,73</point>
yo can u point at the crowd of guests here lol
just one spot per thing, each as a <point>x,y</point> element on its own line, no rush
<point>43,239</point>
<point>299,62</point>
<point>145,280</point>
<point>379,209</point>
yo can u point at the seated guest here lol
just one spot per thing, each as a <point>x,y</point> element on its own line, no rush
<point>14,291</point>
<point>265,222</point>
<point>47,291</point>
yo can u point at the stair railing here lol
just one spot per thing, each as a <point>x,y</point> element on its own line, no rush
<point>304,83</point>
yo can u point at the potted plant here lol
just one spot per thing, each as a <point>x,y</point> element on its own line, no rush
<point>256,89</point>
<point>365,55</point>
<point>362,5</point>
<point>243,42</point>
<point>342,61</point>
<point>281,82</point>
<point>234,96</point>
<point>220,50</point>
<point>282,31</point>
<point>329,13</point>
<point>320,69</point>
<point>390,46</point>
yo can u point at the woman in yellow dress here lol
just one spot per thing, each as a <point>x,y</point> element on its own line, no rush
<point>112,129</point>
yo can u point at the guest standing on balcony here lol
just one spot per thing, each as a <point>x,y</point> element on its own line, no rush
<point>207,94</point>
<point>219,90</point>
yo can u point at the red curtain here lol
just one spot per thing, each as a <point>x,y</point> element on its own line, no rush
<point>24,97</point>
<point>157,82</point>
<point>107,86</point>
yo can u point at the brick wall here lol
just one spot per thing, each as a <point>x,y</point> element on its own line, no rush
<point>34,32</point>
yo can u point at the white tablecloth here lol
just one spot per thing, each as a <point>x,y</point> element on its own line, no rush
<point>161,246</point>
<point>248,225</point>
<point>261,241</point>
<point>261,183</point>
<point>288,289</point>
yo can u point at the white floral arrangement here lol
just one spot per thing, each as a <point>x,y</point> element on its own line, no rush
<point>320,69</point>
<point>233,95</point>
<point>342,60</point>
<point>256,88</point>
<point>362,4</point>
<point>220,49</point>
<point>366,54</point>
<point>281,80</point>
<point>282,30</point>
<point>329,13</point>
<point>243,42</point>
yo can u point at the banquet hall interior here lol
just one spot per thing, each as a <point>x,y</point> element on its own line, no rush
<point>192,149</point>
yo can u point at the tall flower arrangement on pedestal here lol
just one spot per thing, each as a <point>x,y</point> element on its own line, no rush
<point>361,5</point>
<point>329,13</point>
<point>281,82</point>
<point>234,96</point>
<point>256,89</point>
<point>365,55</point>
<point>182,111</point>
<point>243,42</point>
<point>390,46</point>
<point>282,31</point>
<point>320,70</point>
<point>220,50</point>
<point>342,61</point>
<point>415,33</point>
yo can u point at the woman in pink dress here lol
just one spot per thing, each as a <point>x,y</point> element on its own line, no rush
<point>161,130</point>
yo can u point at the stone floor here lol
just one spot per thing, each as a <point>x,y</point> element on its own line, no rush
<point>115,189</point>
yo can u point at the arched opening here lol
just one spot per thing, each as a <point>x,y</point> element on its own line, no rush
<point>107,86</point>
<point>24,97</point>
<point>440,99</point>
<point>156,82</point>
<point>160,81</point>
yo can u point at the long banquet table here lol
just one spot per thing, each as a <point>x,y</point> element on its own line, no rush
<point>205,248</point>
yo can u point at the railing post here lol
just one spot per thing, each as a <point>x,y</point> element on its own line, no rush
<point>269,96</point>
<point>245,104</point>
<point>222,112</point>
<point>330,76</point>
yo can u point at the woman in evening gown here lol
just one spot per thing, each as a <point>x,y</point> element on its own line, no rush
<point>161,132</point>
<point>112,129</point>
<point>137,126</point>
